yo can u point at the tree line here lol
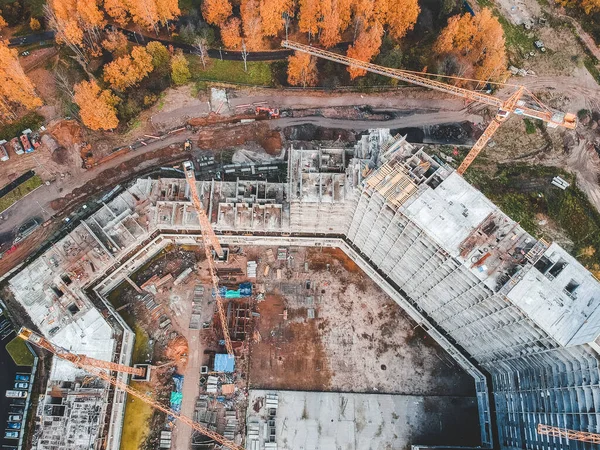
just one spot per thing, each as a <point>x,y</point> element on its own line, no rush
<point>469,46</point>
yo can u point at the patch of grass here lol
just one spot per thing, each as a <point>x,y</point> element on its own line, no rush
<point>259,73</point>
<point>590,65</point>
<point>11,130</point>
<point>141,345</point>
<point>529,126</point>
<point>137,123</point>
<point>19,352</point>
<point>516,36</point>
<point>136,423</point>
<point>19,192</point>
<point>522,191</point>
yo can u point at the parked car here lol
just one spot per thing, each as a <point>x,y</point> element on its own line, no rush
<point>16,394</point>
<point>21,385</point>
<point>26,143</point>
<point>11,435</point>
<point>15,417</point>
<point>21,377</point>
<point>13,425</point>
<point>16,145</point>
<point>3,151</point>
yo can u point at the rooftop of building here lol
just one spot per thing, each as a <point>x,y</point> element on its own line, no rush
<point>561,297</point>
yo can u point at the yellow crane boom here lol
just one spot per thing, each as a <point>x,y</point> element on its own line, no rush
<point>532,108</point>
<point>210,241</point>
<point>582,436</point>
<point>98,368</point>
<point>78,360</point>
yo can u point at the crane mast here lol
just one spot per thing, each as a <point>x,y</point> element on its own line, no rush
<point>514,104</point>
<point>98,368</point>
<point>210,241</point>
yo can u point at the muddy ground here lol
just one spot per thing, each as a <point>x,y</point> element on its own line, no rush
<point>359,340</point>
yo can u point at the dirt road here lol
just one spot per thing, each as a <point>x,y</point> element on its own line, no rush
<point>401,122</point>
<point>438,109</point>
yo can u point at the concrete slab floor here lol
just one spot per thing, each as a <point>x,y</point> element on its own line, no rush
<point>330,421</point>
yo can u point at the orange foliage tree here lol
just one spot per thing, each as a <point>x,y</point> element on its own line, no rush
<point>15,86</point>
<point>365,47</point>
<point>216,12</point>
<point>144,13</point>
<point>2,21</point>
<point>167,10</point>
<point>116,43</point>
<point>310,12</point>
<point>272,15</point>
<point>118,10</point>
<point>252,24</point>
<point>401,16</point>
<point>77,24</point>
<point>590,6</point>
<point>330,24</point>
<point>302,69</point>
<point>129,70</point>
<point>231,34</point>
<point>96,106</point>
<point>477,42</point>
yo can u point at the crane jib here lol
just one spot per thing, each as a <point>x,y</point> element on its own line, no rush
<point>397,74</point>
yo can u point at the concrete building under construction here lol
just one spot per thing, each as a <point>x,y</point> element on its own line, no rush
<point>520,315</point>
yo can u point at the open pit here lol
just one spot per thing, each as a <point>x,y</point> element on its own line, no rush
<point>314,322</point>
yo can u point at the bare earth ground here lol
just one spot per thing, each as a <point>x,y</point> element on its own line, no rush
<point>359,341</point>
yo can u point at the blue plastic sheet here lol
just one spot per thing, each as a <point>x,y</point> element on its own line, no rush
<point>224,363</point>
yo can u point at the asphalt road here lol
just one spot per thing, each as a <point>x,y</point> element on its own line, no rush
<point>31,39</point>
<point>143,39</point>
<point>212,53</point>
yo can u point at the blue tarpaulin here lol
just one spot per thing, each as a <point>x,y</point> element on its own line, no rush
<point>244,290</point>
<point>224,363</point>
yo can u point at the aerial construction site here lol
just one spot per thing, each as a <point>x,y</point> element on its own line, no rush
<point>372,300</point>
<point>255,287</point>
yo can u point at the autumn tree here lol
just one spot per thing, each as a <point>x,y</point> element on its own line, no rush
<point>116,43</point>
<point>180,69</point>
<point>34,24</point>
<point>167,10</point>
<point>310,11</point>
<point>272,15</point>
<point>129,70</point>
<point>400,16</point>
<point>77,24</point>
<point>216,12</point>
<point>96,106</point>
<point>2,21</point>
<point>364,48</point>
<point>160,56</point>
<point>150,13</point>
<point>475,41</point>
<point>302,69</point>
<point>330,25</point>
<point>252,24</point>
<point>590,6</point>
<point>15,86</point>
<point>118,10</point>
<point>231,34</point>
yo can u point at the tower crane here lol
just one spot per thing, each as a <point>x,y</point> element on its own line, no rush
<point>582,436</point>
<point>210,242</point>
<point>521,102</point>
<point>99,369</point>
